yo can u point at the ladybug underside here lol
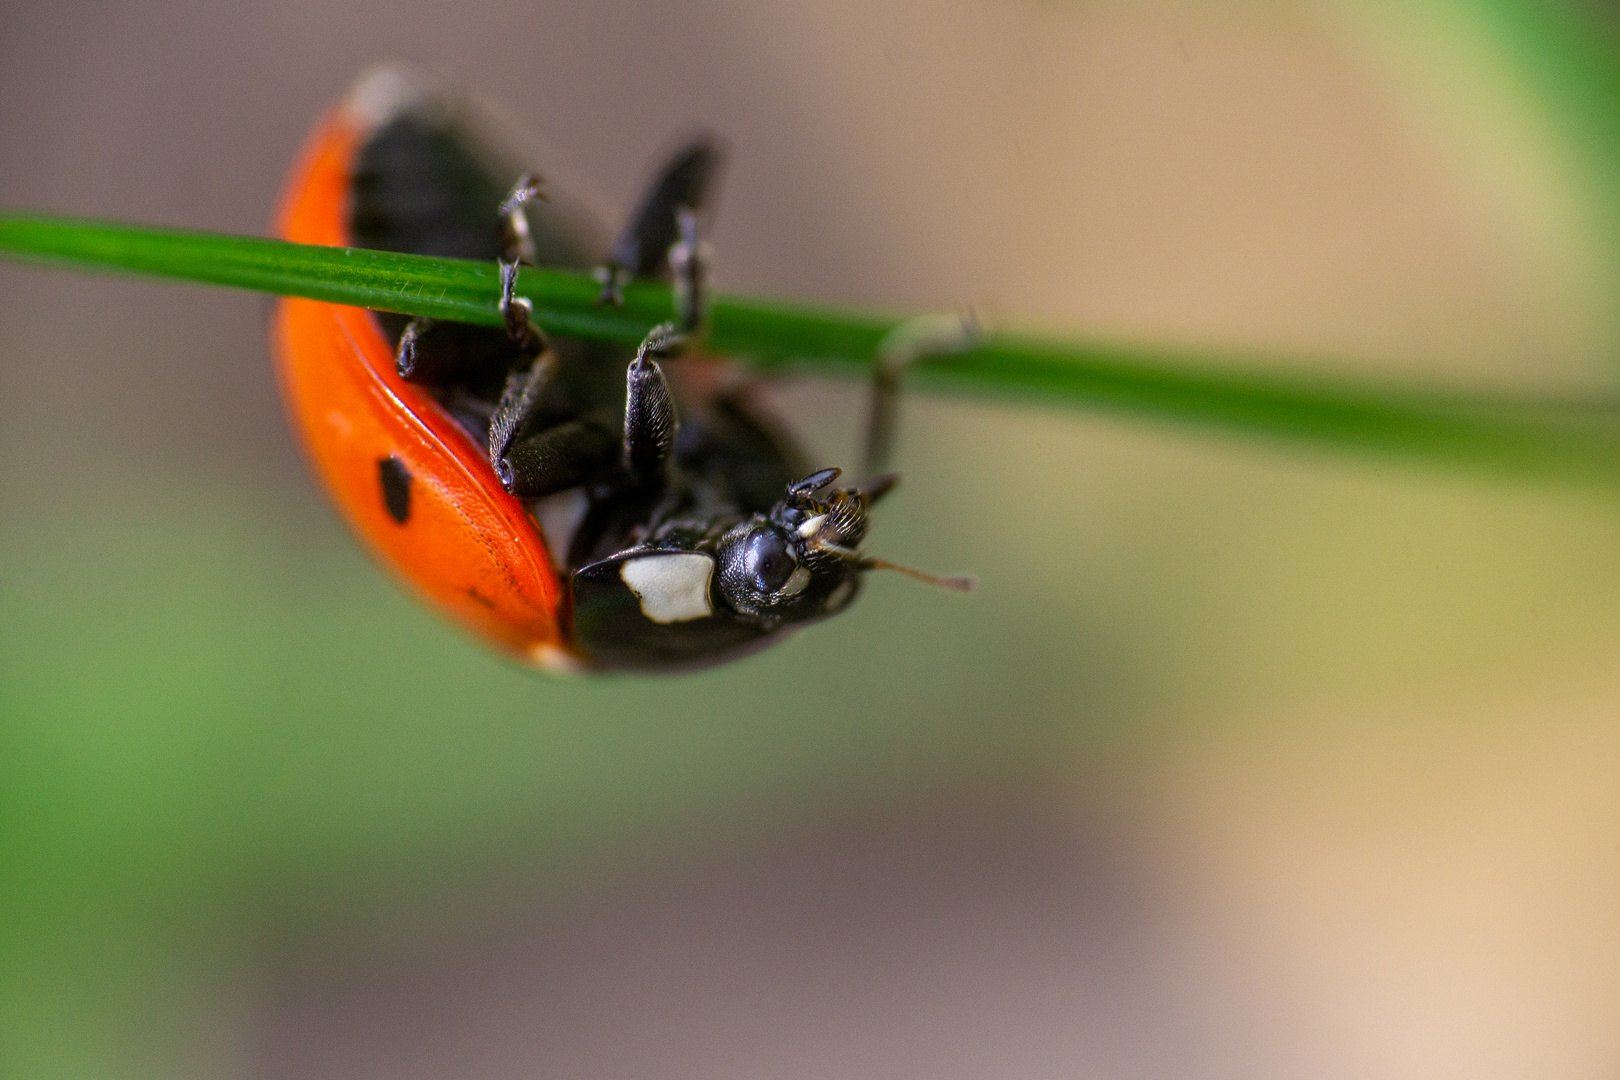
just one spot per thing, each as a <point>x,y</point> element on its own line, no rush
<point>680,560</point>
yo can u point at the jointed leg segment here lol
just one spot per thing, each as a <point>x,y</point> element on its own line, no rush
<point>649,410</point>
<point>916,339</point>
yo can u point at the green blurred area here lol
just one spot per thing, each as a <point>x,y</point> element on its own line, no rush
<point>221,721</point>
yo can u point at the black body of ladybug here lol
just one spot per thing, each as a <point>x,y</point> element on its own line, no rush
<point>570,502</point>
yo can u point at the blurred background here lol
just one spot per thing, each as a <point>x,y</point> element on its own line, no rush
<point>1244,760</point>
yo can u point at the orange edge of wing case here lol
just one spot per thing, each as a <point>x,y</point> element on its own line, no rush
<point>467,546</point>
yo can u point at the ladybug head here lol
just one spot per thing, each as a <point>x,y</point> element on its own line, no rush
<point>802,560</point>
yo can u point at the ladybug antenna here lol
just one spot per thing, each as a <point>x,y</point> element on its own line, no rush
<point>956,584</point>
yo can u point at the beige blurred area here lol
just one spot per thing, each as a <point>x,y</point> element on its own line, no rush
<point>1345,801</point>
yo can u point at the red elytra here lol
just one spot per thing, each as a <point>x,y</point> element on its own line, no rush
<point>466,546</point>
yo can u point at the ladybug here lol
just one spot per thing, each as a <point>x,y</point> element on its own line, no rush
<point>572,503</point>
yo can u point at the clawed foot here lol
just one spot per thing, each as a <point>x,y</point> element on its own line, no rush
<point>516,243</point>
<point>689,258</point>
<point>665,340</point>
<point>518,313</point>
<point>613,279</point>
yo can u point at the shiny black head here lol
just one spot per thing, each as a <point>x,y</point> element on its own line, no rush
<point>801,561</point>
<point>683,599</point>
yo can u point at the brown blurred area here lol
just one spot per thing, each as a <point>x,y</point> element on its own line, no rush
<point>1366,822</point>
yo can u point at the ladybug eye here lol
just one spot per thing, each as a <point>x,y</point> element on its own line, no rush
<point>759,574</point>
<point>767,561</point>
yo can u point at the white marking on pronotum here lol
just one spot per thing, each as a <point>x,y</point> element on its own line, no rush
<point>559,517</point>
<point>673,587</point>
<point>808,529</point>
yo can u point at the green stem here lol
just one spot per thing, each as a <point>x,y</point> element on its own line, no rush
<point>1546,439</point>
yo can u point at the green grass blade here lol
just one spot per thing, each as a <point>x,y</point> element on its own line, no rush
<point>1573,440</point>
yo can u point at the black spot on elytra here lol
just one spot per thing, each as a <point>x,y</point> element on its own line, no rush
<point>396,488</point>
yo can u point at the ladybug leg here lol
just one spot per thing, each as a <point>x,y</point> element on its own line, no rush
<point>916,339</point>
<point>689,261</point>
<point>434,352</point>
<point>532,461</point>
<point>518,250</point>
<point>518,313</point>
<point>649,409</point>
<point>412,358</point>
<point>646,249</point>
<point>556,459</point>
<point>613,279</point>
<point>516,243</point>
